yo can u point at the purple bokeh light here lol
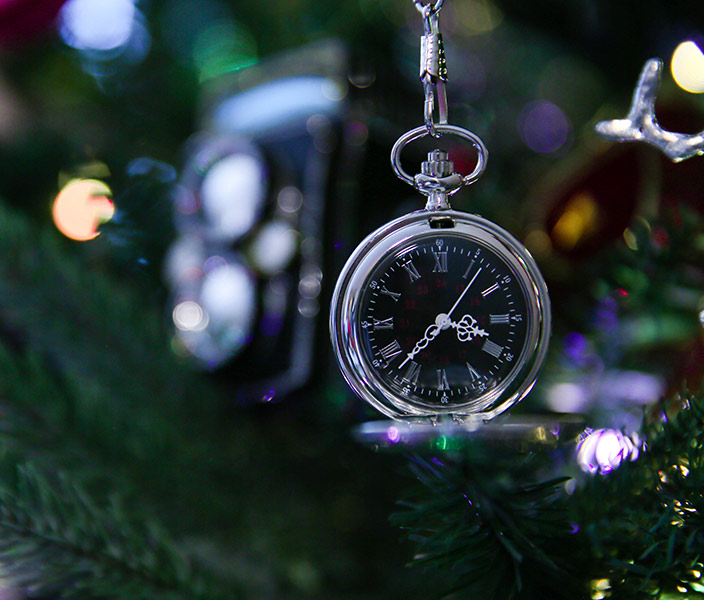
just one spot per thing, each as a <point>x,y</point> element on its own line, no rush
<point>544,127</point>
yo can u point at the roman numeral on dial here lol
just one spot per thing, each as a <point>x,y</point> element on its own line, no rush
<point>442,380</point>
<point>492,348</point>
<point>394,295</point>
<point>411,270</point>
<point>469,268</point>
<point>383,323</point>
<point>440,261</point>
<point>391,350</point>
<point>498,319</point>
<point>473,373</point>
<point>491,288</point>
<point>412,373</point>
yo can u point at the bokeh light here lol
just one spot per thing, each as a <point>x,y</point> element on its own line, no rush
<point>567,397</point>
<point>579,219</point>
<point>603,450</point>
<point>228,294</point>
<point>184,260</point>
<point>687,66</point>
<point>81,207</point>
<point>97,24</point>
<point>232,194</point>
<point>289,199</point>
<point>600,589</point>
<point>539,243</point>
<point>274,247</point>
<point>190,316</point>
<point>109,34</point>
<point>544,127</point>
<point>215,319</point>
<point>208,39</point>
<point>277,104</point>
<point>223,47</point>
<point>477,16</point>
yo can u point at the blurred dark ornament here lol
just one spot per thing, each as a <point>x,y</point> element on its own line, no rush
<point>588,206</point>
<point>21,21</point>
<point>111,38</point>
<point>141,228</point>
<point>588,203</point>
<point>688,366</point>
<point>246,270</point>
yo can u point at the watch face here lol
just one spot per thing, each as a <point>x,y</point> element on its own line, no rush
<point>443,320</point>
<point>440,313</point>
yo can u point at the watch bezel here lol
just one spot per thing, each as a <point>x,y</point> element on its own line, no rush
<point>345,315</point>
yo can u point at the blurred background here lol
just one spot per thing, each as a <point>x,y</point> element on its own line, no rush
<point>181,182</point>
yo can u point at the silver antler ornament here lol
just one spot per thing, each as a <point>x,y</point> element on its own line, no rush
<point>641,125</point>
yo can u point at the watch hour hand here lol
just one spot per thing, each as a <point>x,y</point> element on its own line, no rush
<point>467,329</point>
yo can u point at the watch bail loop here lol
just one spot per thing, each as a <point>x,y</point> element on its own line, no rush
<point>437,179</point>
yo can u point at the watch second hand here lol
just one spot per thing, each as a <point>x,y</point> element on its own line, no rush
<point>437,326</point>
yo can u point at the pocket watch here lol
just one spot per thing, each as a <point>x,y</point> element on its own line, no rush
<point>440,313</point>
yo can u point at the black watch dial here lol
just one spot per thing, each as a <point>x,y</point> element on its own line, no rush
<point>444,320</point>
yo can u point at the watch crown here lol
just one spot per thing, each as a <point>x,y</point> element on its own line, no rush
<point>437,165</point>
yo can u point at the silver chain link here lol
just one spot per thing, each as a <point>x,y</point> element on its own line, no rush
<point>433,66</point>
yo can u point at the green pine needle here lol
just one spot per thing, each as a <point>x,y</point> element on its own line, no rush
<point>55,540</point>
<point>487,526</point>
<point>647,527</point>
<point>487,529</point>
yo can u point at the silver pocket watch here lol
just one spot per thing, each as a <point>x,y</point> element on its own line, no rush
<point>440,313</point>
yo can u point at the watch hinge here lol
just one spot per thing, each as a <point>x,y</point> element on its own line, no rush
<point>441,222</point>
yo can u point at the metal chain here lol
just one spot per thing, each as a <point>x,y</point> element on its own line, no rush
<point>433,66</point>
<point>437,179</point>
<point>431,7</point>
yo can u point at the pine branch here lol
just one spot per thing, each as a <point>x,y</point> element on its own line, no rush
<point>39,421</point>
<point>645,521</point>
<point>487,528</point>
<point>74,400</point>
<point>86,375</point>
<point>88,385</point>
<point>86,321</point>
<point>55,540</point>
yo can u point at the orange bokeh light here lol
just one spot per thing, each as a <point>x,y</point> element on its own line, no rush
<point>81,207</point>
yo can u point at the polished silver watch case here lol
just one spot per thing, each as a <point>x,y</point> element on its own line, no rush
<point>347,332</point>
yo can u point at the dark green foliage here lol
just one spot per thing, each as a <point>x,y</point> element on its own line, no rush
<point>269,505</point>
<point>107,418</point>
<point>486,529</point>
<point>75,379</point>
<point>662,274</point>
<point>483,522</point>
<point>55,541</point>
<point>645,521</point>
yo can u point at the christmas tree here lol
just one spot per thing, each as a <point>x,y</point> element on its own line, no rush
<point>174,424</point>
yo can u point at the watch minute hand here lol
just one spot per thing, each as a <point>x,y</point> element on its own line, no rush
<point>471,281</point>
